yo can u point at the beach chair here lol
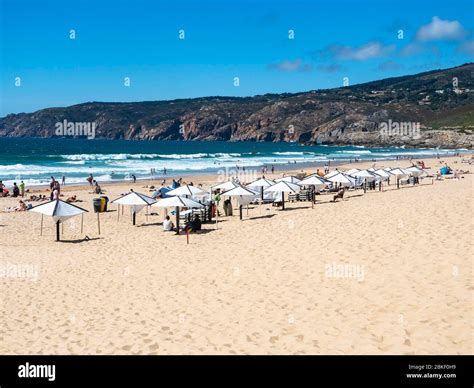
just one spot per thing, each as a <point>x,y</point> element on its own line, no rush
<point>292,197</point>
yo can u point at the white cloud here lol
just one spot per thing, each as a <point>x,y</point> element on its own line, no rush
<point>362,53</point>
<point>439,29</point>
<point>287,65</point>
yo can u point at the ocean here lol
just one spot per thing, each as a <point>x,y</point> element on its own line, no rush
<point>35,160</point>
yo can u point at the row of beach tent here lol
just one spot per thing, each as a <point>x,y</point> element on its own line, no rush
<point>192,197</point>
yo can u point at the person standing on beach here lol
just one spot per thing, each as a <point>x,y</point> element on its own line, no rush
<point>64,180</point>
<point>164,171</point>
<point>90,178</point>
<point>22,189</point>
<point>134,178</point>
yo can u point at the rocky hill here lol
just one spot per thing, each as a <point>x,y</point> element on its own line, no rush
<point>441,101</point>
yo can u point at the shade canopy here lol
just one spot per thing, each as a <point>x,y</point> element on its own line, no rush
<point>238,192</point>
<point>313,180</point>
<point>58,209</point>
<point>284,187</point>
<point>289,179</point>
<point>185,190</point>
<point>177,201</point>
<point>262,182</point>
<point>225,186</point>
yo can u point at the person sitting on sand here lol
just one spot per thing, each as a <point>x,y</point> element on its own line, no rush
<point>21,207</point>
<point>71,199</point>
<point>168,224</point>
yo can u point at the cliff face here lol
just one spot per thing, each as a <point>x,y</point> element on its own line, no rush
<point>442,109</point>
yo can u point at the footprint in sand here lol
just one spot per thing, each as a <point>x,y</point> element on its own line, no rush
<point>274,339</point>
<point>155,346</point>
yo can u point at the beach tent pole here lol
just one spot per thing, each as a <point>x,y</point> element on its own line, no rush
<point>134,217</point>
<point>98,222</point>
<point>312,198</point>
<point>62,228</point>
<point>282,200</point>
<point>398,182</point>
<point>41,228</point>
<point>118,213</point>
<point>240,211</point>
<point>57,231</point>
<point>177,219</point>
<point>261,190</point>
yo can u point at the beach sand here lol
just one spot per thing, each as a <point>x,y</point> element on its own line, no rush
<point>265,285</point>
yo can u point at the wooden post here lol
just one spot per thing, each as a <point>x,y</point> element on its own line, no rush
<point>240,211</point>
<point>98,222</point>
<point>134,217</point>
<point>282,200</point>
<point>177,220</point>
<point>57,231</point>
<point>187,236</point>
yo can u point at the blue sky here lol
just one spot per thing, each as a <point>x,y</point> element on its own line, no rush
<point>223,39</point>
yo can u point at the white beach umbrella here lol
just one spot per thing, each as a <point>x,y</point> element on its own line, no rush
<point>415,171</point>
<point>185,190</point>
<point>284,187</point>
<point>177,202</point>
<point>136,201</point>
<point>59,210</point>
<point>330,174</point>
<point>316,182</point>
<point>399,173</point>
<point>341,178</point>
<point>289,179</point>
<point>364,174</point>
<point>225,186</point>
<point>261,184</point>
<point>383,174</point>
<point>313,180</point>
<point>239,192</point>
<point>352,171</point>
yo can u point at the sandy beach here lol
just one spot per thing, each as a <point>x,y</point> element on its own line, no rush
<point>378,273</point>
